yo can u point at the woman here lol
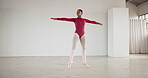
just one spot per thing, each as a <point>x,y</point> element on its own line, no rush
<point>79,34</point>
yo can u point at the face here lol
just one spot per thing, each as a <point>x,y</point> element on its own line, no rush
<point>79,13</point>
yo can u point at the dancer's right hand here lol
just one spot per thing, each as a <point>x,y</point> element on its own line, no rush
<point>101,24</point>
<point>54,18</point>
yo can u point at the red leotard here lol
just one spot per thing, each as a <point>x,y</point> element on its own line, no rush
<point>79,24</point>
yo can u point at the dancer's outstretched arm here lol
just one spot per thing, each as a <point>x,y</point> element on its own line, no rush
<point>64,19</point>
<point>93,22</point>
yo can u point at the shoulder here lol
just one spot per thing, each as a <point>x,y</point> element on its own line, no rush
<point>72,18</point>
<point>85,19</point>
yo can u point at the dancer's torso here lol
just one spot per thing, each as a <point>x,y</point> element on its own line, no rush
<point>80,25</point>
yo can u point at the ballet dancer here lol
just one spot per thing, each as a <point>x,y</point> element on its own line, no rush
<point>78,35</point>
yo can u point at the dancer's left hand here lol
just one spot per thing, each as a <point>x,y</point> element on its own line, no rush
<point>101,24</point>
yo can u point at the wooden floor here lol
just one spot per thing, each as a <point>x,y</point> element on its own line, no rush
<point>135,66</point>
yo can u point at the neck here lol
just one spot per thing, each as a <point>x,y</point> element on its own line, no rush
<point>79,16</point>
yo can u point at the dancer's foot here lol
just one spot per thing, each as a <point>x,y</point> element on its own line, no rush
<point>69,65</point>
<point>85,64</point>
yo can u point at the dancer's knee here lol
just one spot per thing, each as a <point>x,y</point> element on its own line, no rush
<point>83,48</point>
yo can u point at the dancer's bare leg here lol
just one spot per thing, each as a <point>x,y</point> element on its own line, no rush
<point>83,43</point>
<point>75,40</point>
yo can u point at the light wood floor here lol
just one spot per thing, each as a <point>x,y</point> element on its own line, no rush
<point>135,66</point>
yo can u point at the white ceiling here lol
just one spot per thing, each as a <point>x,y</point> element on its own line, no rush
<point>137,2</point>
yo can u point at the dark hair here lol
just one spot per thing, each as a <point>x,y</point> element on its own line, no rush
<point>81,10</point>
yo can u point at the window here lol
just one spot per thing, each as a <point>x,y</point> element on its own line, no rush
<point>147,27</point>
<point>144,17</point>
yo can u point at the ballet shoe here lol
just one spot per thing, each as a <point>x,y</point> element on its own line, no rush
<point>85,64</point>
<point>69,65</point>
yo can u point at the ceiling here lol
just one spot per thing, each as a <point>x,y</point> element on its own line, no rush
<point>137,2</point>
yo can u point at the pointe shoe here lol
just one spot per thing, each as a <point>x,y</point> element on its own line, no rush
<point>85,64</point>
<point>69,65</point>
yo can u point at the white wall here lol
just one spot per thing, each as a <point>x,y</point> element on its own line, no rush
<point>143,9</point>
<point>25,29</point>
<point>133,11</point>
